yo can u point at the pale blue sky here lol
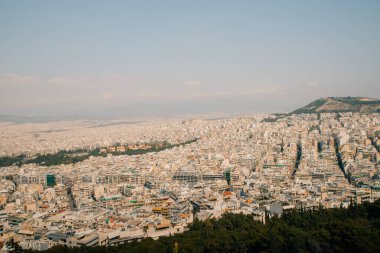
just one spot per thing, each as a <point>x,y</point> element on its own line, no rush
<point>61,57</point>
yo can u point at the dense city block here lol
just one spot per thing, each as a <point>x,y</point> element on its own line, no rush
<point>146,180</point>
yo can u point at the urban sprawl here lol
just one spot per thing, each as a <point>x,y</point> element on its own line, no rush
<point>200,168</point>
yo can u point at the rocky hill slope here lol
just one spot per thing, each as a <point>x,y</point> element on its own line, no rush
<point>341,104</point>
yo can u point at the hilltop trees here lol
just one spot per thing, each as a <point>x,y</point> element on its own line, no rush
<point>355,229</point>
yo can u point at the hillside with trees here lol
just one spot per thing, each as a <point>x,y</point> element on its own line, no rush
<point>341,104</point>
<point>355,229</point>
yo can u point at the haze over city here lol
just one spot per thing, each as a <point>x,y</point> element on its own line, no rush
<point>170,58</point>
<point>189,126</point>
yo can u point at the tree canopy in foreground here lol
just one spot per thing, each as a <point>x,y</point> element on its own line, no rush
<point>355,229</point>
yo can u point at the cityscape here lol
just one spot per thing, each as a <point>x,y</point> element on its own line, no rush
<point>189,126</point>
<point>250,165</point>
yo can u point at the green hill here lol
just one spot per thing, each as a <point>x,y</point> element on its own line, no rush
<point>341,104</point>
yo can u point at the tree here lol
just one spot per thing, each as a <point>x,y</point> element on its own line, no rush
<point>13,246</point>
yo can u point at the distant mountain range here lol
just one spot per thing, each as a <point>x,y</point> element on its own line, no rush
<point>341,104</point>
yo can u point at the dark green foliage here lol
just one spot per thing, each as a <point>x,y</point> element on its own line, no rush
<point>62,157</point>
<point>154,148</point>
<point>270,120</point>
<point>75,156</point>
<point>339,158</point>
<point>275,117</point>
<point>10,160</point>
<point>13,247</point>
<point>298,158</point>
<point>356,229</point>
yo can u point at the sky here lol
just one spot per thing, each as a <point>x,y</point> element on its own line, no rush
<point>61,58</point>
